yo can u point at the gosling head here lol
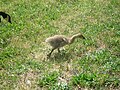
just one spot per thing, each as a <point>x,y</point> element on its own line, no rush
<point>79,35</point>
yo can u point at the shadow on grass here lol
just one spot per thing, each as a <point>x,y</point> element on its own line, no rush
<point>63,56</point>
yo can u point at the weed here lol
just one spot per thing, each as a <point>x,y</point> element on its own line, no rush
<point>48,79</point>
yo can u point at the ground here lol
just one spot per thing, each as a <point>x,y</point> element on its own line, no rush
<point>90,64</point>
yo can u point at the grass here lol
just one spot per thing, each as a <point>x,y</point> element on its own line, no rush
<point>93,63</point>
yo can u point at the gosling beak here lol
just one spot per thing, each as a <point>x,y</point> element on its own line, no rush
<point>83,37</point>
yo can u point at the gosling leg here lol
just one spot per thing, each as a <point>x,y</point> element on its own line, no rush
<point>50,52</point>
<point>59,50</point>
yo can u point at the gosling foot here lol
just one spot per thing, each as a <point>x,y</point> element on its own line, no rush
<point>48,55</point>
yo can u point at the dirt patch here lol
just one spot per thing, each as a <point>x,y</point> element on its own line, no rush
<point>27,81</point>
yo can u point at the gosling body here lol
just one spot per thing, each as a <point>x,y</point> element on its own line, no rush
<point>57,41</point>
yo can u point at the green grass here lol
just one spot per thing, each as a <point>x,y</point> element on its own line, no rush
<point>93,63</point>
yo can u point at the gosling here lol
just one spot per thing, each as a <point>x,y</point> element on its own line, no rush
<point>5,16</point>
<point>59,41</point>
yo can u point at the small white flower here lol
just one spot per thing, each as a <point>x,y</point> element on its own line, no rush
<point>28,82</point>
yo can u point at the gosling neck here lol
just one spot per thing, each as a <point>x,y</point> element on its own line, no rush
<point>72,39</point>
